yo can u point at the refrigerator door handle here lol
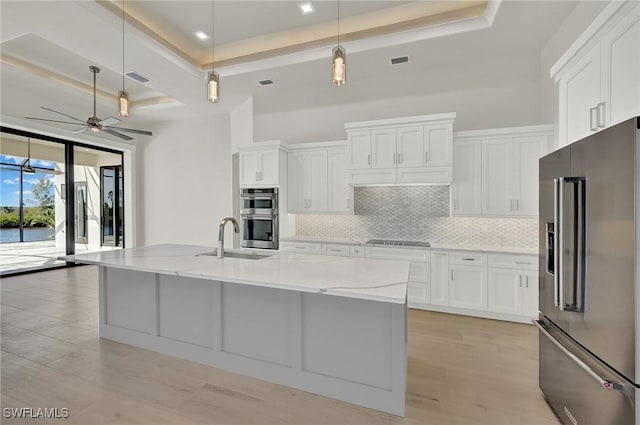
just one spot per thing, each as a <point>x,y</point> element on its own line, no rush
<point>605,383</point>
<point>558,249</point>
<point>578,294</point>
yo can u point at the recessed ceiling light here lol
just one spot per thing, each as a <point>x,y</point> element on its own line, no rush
<point>401,59</point>
<point>306,8</point>
<point>201,35</point>
<point>265,82</point>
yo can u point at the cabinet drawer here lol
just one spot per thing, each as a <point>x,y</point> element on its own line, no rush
<point>304,247</point>
<point>420,272</point>
<point>356,251</point>
<point>468,258</point>
<point>514,261</point>
<point>335,249</point>
<point>418,293</point>
<point>399,254</point>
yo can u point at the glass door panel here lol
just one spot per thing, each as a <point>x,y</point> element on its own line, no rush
<point>80,217</point>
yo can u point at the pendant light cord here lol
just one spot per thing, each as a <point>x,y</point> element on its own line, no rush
<point>122,45</point>
<point>338,22</point>
<point>213,61</point>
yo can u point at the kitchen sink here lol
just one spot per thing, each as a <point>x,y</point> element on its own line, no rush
<point>235,254</point>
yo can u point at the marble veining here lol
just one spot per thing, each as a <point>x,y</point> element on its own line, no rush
<point>361,278</point>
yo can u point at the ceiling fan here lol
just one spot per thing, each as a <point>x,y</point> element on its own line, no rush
<point>94,123</point>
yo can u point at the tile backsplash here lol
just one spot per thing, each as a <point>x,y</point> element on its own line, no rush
<point>416,213</point>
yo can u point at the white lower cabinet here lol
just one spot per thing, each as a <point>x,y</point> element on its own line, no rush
<point>418,293</point>
<point>468,287</point>
<point>513,292</point>
<point>439,277</point>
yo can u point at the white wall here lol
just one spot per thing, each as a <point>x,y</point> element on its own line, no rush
<point>484,94</point>
<point>184,181</point>
<point>242,125</point>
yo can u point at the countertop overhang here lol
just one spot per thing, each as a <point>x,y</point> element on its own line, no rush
<point>376,280</point>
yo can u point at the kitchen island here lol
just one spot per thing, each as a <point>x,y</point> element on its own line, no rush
<point>332,326</point>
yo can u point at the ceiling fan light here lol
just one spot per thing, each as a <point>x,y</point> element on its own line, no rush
<point>28,169</point>
<point>123,103</point>
<point>94,129</point>
<point>213,87</point>
<point>339,66</point>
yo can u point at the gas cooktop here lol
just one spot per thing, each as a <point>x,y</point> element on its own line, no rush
<point>397,243</point>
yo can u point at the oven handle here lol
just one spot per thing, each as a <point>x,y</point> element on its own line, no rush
<point>260,216</point>
<point>259,197</point>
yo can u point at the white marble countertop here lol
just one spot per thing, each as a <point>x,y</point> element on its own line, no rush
<point>489,249</point>
<point>361,278</point>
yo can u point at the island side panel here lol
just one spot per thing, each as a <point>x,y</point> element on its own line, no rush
<point>344,348</point>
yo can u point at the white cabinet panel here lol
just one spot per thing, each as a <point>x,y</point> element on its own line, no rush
<point>496,157</point>
<point>316,180</point>
<point>468,258</point>
<point>420,272</point>
<point>301,247</point>
<point>524,174</point>
<point>437,145</point>
<point>440,277</point>
<point>340,196</point>
<point>620,50</point>
<point>270,167</point>
<point>505,291</point>
<point>530,294</point>
<point>296,193</point>
<point>514,261</point>
<point>356,251</point>
<point>260,168</point>
<point>442,175</point>
<point>419,293</point>
<point>359,145</point>
<point>468,287</point>
<point>307,181</point>
<point>383,148</point>
<point>467,178</point>
<point>399,254</point>
<point>250,165</point>
<point>410,147</point>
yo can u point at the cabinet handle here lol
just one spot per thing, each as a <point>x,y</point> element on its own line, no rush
<point>520,280</point>
<point>468,259</point>
<point>526,281</point>
<point>523,262</point>
<point>310,200</point>
<point>451,274</point>
<point>300,247</point>
<point>257,178</point>
<point>369,159</point>
<point>426,156</point>
<point>455,204</point>
<point>399,158</point>
<point>394,158</point>
<point>592,122</point>
<point>600,109</point>
<point>335,250</point>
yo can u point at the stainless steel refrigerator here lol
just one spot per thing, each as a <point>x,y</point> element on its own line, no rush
<point>589,271</point>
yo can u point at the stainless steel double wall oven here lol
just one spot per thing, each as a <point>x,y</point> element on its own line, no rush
<point>259,216</point>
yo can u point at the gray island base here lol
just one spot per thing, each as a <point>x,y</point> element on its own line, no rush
<point>336,339</point>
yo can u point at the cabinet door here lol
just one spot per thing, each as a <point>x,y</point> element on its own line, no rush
<point>440,278</point>
<point>269,167</point>
<point>418,293</point>
<point>505,288</point>
<point>317,181</point>
<point>524,174</point>
<point>468,287</point>
<point>438,141</point>
<point>467,178</point>
<point>410,147</point>
<point>359,145</point>
<point>296,194</point>
<point>383,148</point>
<point>579,92</point>
<point>621,69</point>
<point>530,293</point>
<point>339,190</point>
<point>249,167</point>
<point>496,157</point>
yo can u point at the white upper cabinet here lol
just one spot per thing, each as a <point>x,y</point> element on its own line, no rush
<point>340,196</point>
<point>410,147</point>
<point>496,171</point>
<point>262,166</point>
<point>404,150</point>
<point>438,150</point>
<point>599,76</point>
<point>317,178</point>
<point>466,189</point>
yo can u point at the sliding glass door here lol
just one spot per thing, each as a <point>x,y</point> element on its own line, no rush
<point>112,205</point>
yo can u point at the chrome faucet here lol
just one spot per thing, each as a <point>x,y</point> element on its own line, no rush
<point>236,229</point>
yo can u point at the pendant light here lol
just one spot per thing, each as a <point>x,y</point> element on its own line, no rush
<point>26,166</point>
<point>123,96</point>
<point>213,79</point>
<point>339,66</point>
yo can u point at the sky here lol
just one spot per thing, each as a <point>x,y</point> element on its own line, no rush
<point>10,181</point>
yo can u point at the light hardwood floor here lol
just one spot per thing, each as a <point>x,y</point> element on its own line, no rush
<point>461,370</point>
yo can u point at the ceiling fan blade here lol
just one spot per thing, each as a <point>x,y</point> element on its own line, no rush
<point>115,133</point>
<point>108,121</point>
<point>81,130</point>
<point>62,122</point>
<point>68,116</point>
<point>132,130</point>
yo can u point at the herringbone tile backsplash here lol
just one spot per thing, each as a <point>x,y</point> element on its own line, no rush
<point>419,213</point>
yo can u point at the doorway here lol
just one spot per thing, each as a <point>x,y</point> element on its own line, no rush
<point>112,218</point>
